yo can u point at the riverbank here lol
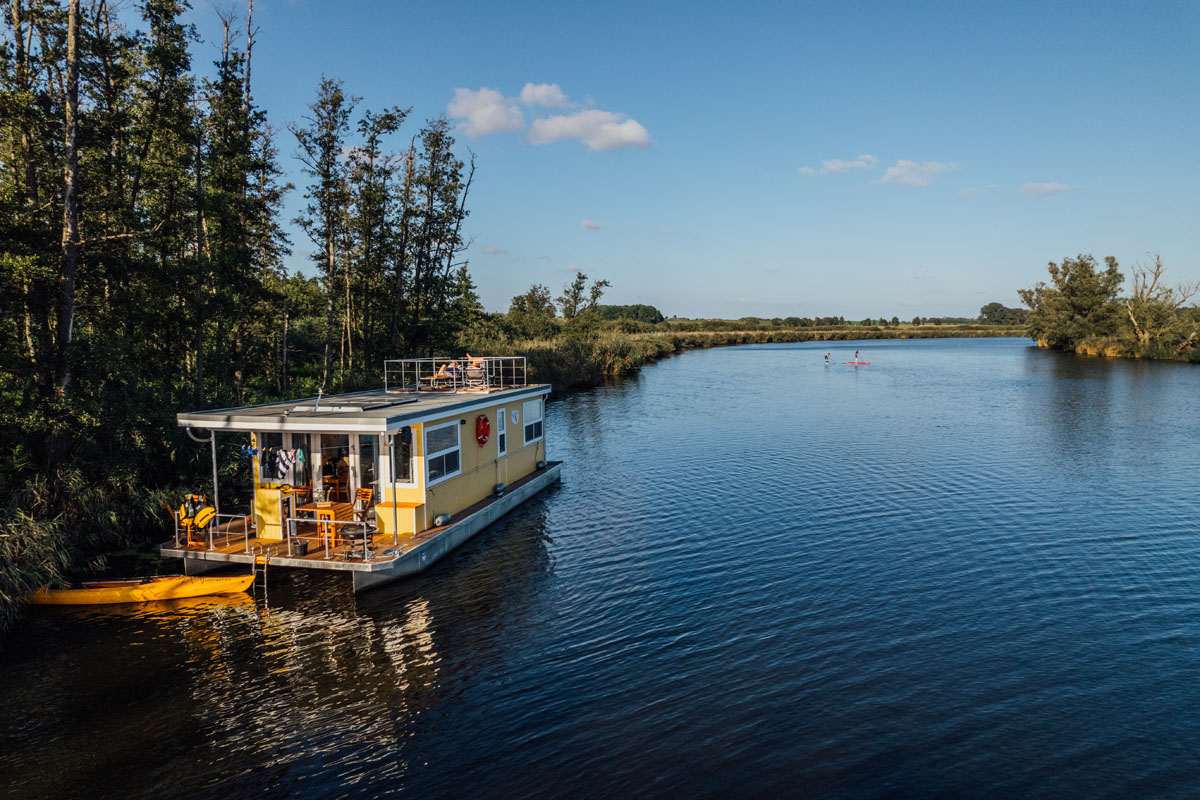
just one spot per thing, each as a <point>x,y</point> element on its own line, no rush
<point>1109,347</point>
<point>612,607</point>
<point>40,546</point>
<point>572,363</point>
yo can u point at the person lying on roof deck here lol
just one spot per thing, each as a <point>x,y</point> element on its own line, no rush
<point>447,370</point>
<point>472,361</point>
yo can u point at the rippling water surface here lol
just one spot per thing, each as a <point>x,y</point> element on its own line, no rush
<point>970,568</point>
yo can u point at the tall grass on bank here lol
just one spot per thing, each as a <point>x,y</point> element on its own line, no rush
<point>42,539</point>
<point>574,362</point>
<point>1123,347</point>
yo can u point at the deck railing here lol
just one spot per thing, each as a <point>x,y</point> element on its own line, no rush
<point>214,528</point>
<point>326,531</point>
<point>475,374</point>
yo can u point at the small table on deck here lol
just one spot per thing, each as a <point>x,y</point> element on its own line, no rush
<point>328,511</point>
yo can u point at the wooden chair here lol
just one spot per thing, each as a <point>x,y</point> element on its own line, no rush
<point>303,493</point>
<point>366,497</point>
<point>337,484</point>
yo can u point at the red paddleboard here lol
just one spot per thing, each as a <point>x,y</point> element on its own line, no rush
<point>857,363</point>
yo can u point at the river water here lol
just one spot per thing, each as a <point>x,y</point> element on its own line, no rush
<point>971,568</point>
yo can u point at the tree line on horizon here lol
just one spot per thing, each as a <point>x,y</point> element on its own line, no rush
<point>653,319</point>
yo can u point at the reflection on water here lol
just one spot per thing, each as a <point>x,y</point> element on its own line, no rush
<point>971,564</point>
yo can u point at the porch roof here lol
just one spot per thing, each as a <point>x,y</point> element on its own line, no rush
<point>372,411</point>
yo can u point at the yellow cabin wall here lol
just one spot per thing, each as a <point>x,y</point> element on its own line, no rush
<point>480,470</point>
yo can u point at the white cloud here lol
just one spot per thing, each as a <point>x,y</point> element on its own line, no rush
<point>591,225</point>
<point>494,251</point>
<point>837,165</point>
<point>910,173</point>
<point>1043,189</point>
<point>485,111</point>
<point>598,130</point>
<point>544,94</point>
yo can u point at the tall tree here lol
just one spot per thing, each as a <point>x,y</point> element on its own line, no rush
<point>372,176</point>
<point>65,321</point>
<point>577,299</point>
<point>440,190</point>
<point>321,146</point>
<point>1153,307</point>
<point>1080,302</point>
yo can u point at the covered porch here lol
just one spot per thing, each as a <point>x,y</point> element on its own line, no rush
<point>387,555</point>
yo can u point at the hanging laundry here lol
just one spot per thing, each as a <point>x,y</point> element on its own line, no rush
<point>284,462</point>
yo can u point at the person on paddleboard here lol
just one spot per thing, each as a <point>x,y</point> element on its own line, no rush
<point>856,358</point>
<point>827,358</point>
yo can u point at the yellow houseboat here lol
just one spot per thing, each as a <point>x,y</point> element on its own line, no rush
<point>381,483</point>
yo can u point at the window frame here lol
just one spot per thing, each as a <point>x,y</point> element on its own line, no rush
<point>427,456</point>
<point>526,421</point>
<point>501,433</point>
<point>394,453</point>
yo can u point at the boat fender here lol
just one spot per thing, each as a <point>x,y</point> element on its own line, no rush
<point>498,489</point>
<point>542,464</point>
<point>441,519</point>
<point>483,429</point>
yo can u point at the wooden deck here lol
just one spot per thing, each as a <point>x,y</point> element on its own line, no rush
<point>233,542</point>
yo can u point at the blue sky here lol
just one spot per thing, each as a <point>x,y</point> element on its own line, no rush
<point>776,159</point>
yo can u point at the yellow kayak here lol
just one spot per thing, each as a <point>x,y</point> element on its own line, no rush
<point>140,590</point>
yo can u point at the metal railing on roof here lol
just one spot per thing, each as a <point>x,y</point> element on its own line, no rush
<point>468,374</point>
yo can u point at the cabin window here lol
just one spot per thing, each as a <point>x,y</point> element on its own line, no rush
<point>301,476</point>
<point>368,452</point>
<point>335,466</point>
<point>268,445</point>
<point>501,432</point>
<point>442,451</point>
<point>532,417</point>
<point>402,456</point>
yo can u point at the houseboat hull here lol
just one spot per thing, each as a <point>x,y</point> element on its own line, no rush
<point>427,553</point>
<point>415,553</point>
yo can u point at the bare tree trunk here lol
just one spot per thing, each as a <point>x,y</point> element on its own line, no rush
<point>250,31</point>
<point>347,344</point>
<point>402,250</point>
<point>198,391</point>
<point>283,369</point>
<point>239,362</point>
<point>36,295</point>
<point>22,68</point>
<point>330,268</point>
<point>70,239</point>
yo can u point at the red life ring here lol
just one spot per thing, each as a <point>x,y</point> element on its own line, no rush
<point>483,429</point>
